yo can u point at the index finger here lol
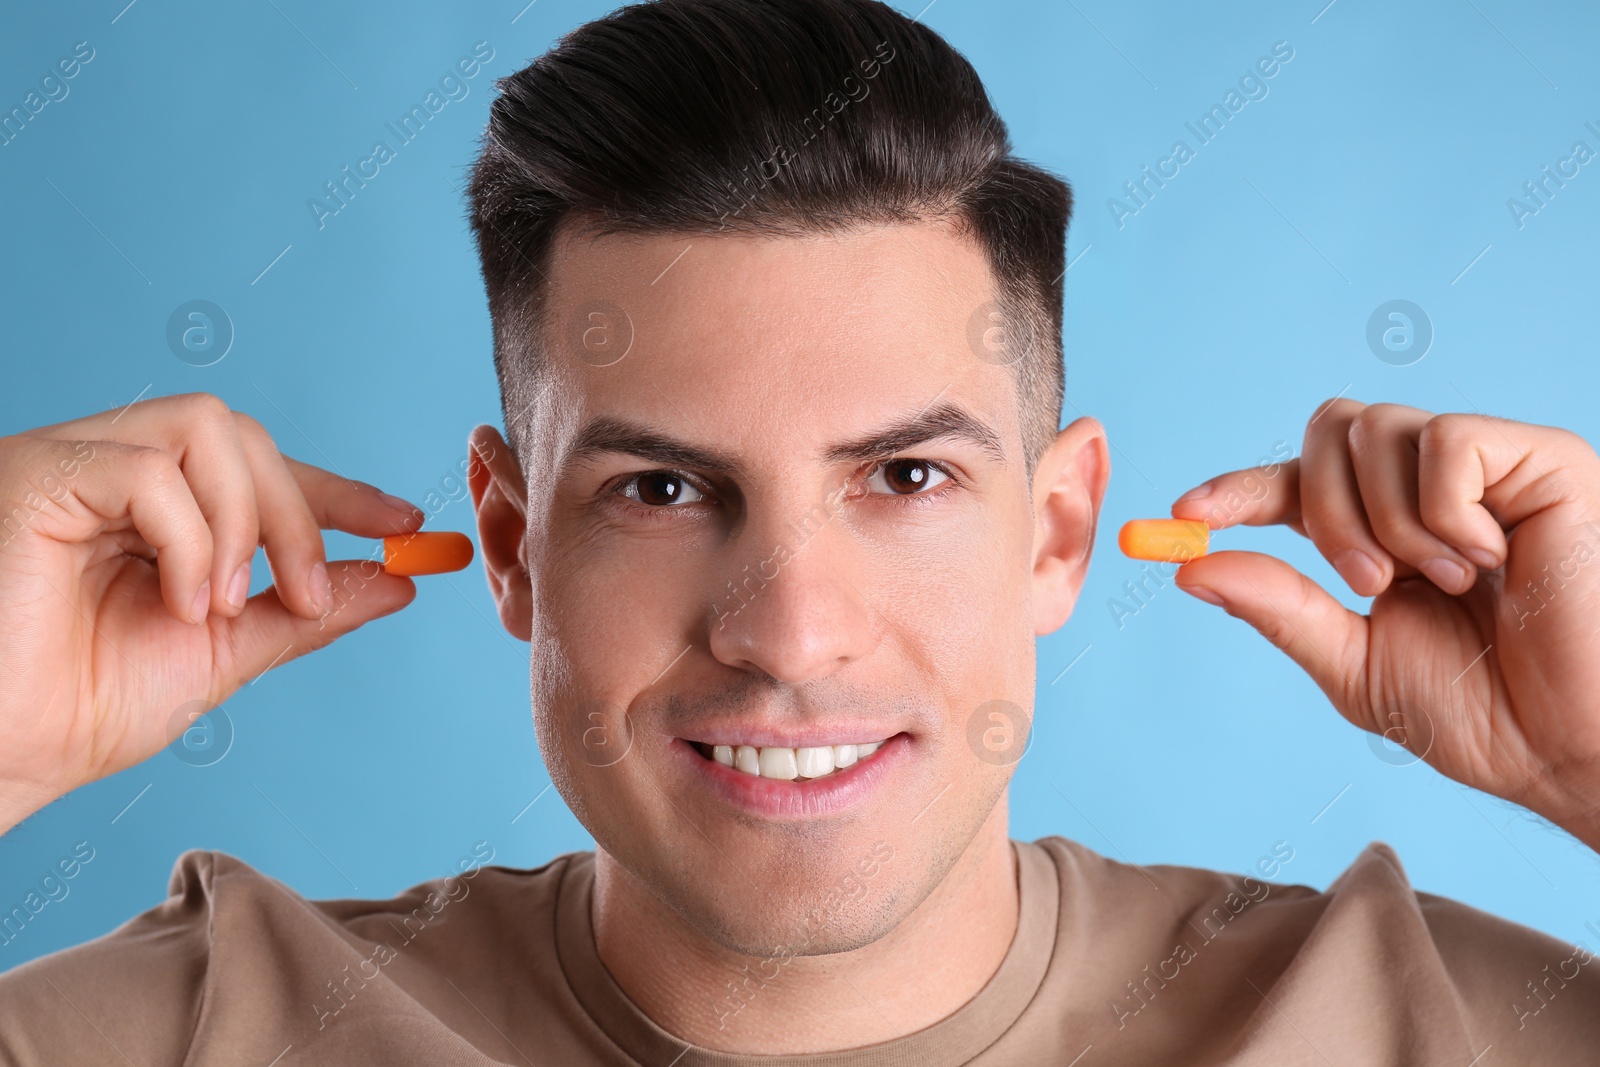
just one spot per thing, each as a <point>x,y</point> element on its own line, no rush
<point>340,503</point>
<point>1263,495</point>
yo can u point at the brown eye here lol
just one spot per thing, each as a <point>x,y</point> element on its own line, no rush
<point>906,477</point>
<point>660,489</point>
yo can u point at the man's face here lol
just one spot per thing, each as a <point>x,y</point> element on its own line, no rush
<point>775,500</point>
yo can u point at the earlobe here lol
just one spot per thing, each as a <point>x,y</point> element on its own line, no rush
<point>1068,486</point>
<point>499,494</point>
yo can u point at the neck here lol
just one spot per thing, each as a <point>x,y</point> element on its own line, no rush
<point>903,982</point>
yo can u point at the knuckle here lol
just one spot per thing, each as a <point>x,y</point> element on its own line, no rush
<point>1323,521</point>
<point>1359,437</point>
<point>295,530</point>
<point>191,535</point>
<point>1443,433</point>
<point>1577,444</point>
<point>248,424</point>
<point>247,534</point>
<point>1438,513</point>
<point>1403,537</point>
<point>1387,525</point>
<point>201,542</point>
<point>1276,630</point>
<point>1367,426</point>
<point>252,433</point>
<point>203,407</point>
<point>1335,410</point>
<point>148,462</point>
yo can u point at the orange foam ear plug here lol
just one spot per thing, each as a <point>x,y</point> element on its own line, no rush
<point>1166,540</point>
<point>426,553</point>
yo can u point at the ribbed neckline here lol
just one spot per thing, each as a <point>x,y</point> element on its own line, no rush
<point>950,1042</point>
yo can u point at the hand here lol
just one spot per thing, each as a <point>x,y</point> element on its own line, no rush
<point>1477,539</point>
<point>125,549</point>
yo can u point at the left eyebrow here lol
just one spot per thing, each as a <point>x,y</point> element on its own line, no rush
<point>944,421</point>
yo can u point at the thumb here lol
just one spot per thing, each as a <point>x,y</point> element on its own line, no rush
<point>266,634</point>
<point>1325,638</point>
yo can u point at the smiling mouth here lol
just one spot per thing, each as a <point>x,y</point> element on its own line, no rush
<point>787,764</point>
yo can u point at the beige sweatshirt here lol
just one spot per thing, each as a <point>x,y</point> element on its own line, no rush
<point>1112,964</point>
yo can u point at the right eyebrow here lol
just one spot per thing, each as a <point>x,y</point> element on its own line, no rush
<point>609,434</point>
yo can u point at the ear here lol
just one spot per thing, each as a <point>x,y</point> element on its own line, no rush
<point>1069,483</point>
<point>500,496</point>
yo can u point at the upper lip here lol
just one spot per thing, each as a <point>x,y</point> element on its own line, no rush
<point>779,737</point>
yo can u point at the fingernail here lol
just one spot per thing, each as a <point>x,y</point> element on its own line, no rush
<point>1482,557</point>
<point>321,588</point>
<point>1447,574</point>
<point>396,503</point>
<point>1359,570</point>
<point>1201,490</point>
<point>239,585</point>
<point>202,601</point>
<point>1210,596</point>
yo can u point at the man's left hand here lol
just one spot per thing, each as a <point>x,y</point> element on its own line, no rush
<point>1477,539</point>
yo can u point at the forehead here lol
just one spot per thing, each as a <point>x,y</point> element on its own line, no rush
<point>819,334</point>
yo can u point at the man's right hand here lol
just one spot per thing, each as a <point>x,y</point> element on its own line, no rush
<point>125,548</point>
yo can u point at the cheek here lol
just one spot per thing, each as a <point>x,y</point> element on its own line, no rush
<point>597,754</point>
<point>607,621</point>
<point>613,604</point>
<point>961,596</point>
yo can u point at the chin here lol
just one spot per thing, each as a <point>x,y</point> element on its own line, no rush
<point>816,918</point>
<point>793,904</point>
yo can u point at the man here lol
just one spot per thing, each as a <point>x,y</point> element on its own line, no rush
<point>784,504</point>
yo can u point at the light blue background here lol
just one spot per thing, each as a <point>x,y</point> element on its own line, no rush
<point>1202,332</point>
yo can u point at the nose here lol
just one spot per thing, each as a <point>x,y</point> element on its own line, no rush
<point>795,608</point>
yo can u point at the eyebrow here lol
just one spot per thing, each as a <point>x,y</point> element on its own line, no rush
<point>609,434</point>
<point>947,421</point>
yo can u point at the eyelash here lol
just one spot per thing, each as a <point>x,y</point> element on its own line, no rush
<point>662,513</point>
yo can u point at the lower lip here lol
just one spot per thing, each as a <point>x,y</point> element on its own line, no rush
<point>774,798</point>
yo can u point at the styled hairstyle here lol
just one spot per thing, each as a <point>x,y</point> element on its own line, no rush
<point>771,117</point>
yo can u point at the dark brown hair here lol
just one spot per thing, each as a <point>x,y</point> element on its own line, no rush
<point>768,117</point>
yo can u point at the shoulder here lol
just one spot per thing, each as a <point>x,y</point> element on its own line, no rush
<point>1144,894</point>
<point>158,957</point>
<point>229,936</point>
<point>1370,946</point>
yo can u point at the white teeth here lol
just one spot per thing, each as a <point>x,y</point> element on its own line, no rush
<point>814,762</point>
<point>747,760</point>
<point>787,764</point>
<point>779,763</point>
